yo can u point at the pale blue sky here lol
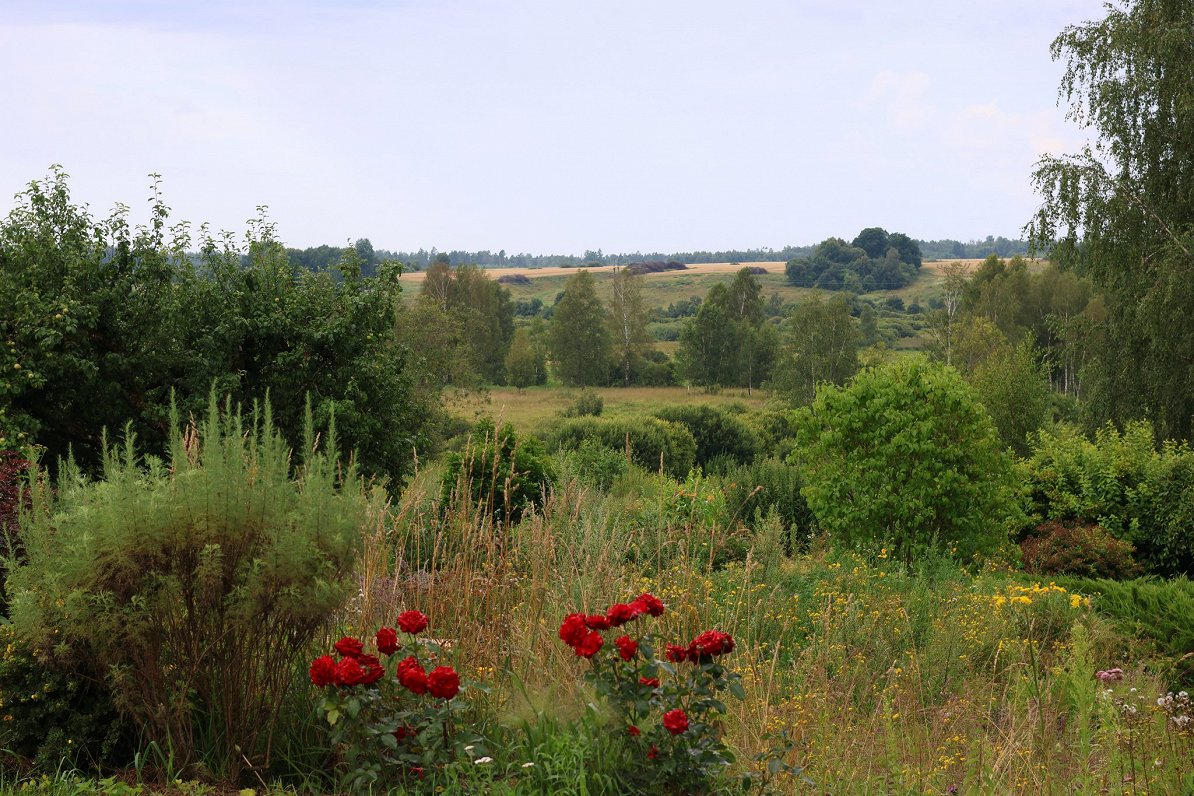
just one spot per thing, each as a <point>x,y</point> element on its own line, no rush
<point>544,126</point>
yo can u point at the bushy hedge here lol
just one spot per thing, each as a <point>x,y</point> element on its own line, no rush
<point>717,433</point>
<point>753,490</point>
<point>503,475</point>
<point>1140,493</point>
<point>652,442</point>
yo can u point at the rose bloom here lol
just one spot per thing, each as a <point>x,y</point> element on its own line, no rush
<point>387,641</point>
<point>622,613</point>
<point>654,753</point>
<point>412,622</point>
<point>675,721</point>
<point>627,647</point>
<point>590,645</point>
<point>350,646</point>
<point>676,653</point>
<point>597,622</point>
<point>372,669</point>
<point>323,671</point>
<point>573,629</point>
<point>404,732</point>
<point>413,679</point>
<point>349,672</point>
<point>710,643</point>
<point>634,731</point>
<point>650,682</point>
<point>443,682</point>
<point>651,604</point>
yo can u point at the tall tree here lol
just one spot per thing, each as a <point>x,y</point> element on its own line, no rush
<point>820,346</point>
<point>708,342</point>
<point>1122,209</point>
<point>628,323</point>
<point>579,336</point>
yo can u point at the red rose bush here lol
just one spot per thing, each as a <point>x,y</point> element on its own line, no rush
<point>668,709</point>
<point>389,721</point>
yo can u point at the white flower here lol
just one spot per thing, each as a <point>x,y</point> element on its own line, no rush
<point>527,765</point>
<point>469,748</point>
<point>481,760</point>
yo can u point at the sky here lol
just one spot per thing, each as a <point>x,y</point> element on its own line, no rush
<point>543,126</point>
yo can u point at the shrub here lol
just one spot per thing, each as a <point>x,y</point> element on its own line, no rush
<point>53,716</point>
<point>501,474</point>
<point>588,402</point>
<point>13,497</point>
<point>1074,548</point>
<point>193,584</point>
<point>752,491</point>
<point>592,464</point>
<point>716,432</point>
<point>653,443</point>
<point>1123,482</point>
<point>906,456</point>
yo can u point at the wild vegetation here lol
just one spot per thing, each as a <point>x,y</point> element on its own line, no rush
<point>276,526</point>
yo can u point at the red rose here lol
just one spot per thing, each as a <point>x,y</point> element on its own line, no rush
<point>323,671</point>
<point>650,682</point>
<point>350,646</point>
<point>412,622</point>
<point>443,682</point>
<point>654,753</point>
<point>622,613</point>
<point>573,629</point>
<point>404,732</point>
<point>675,721</point>
<point>597,622</point>
<point>633,731</point>
<point>406,663</point>
<point>349,672</point>
<point>710,643</point>
<point>413,678</point>
<point>589,646</point>
<point>652,604</point>
<point>676,653</point>
<point>372,669</point>
<point>627,647</point>
<point>416,772</point>
<point>387,641</point>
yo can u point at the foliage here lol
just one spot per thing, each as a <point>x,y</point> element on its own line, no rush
<point>1122,210</point>
<point>728,342</point>
<point>1013,385</point>
<point>882,463</point>
<point>820,345</point>
<point>652,444</point>
<point>100,324</point>
<point>192,583</point>
<point>579,336</point>
<point>875,260</point>
<point>717,433</point>
<point>501,474</point>
<point>1140,493</point>
<point>14,497</point>
<point>1075,548</point>
<point>755,489</point>
<point>53,716</point>
<point>630,341</point>
<point>588,403</point>
<point>525,364</point>
<point>383,733</point>
<point>592,464</point>
<point>479,312</point>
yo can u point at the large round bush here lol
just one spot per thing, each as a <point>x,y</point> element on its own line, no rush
<point>906,457</point>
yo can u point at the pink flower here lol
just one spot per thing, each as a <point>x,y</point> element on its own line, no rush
<point>1110,675</point>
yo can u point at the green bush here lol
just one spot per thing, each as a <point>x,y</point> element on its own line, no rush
<point>753,491</point>
<point>592,464</point>
<point>1123,482</point>
<point>775,431</point>
<point>502,475</point>
<point>717,433</point>
<point>653,443</point>
<point>194,583</point>
<point>905,456</point>
<point>588,402</point>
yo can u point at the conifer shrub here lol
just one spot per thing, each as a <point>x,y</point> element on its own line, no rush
<point>652,443</point>
<point>192,584</point>
<point>503,475</point>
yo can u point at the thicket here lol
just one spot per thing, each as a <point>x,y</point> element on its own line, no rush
<point>192,584</point>
<point>717,433</point>
<point>497,472</point>
<point>650,442</point>
<point>1140,492</point>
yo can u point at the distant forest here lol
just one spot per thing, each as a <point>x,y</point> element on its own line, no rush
<point>322,258</point>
